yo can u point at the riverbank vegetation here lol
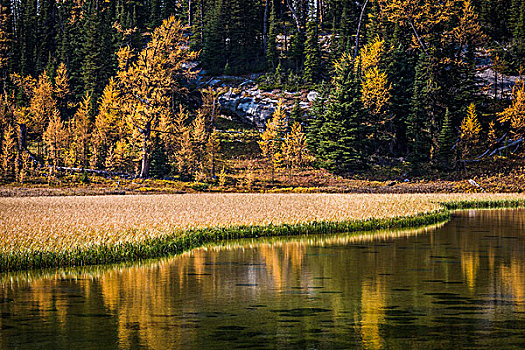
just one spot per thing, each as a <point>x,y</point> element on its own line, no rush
<point>70,231</point>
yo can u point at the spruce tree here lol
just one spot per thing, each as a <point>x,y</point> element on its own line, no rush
<point>312,65</point>
<point>271,49</point>
<point>159,167</point>
<point>98,62</point>
<point>214,40</point>
<point>400,70</point>
<point>517,20</point>
<point>418,133</point>
<point>447,139</point>
<point>297,114</point>
<point>296,51</point>
<point>342,132</point>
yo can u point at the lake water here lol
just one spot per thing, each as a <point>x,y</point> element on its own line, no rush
<point>461,285</point>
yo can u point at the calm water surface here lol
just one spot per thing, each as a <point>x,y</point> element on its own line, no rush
<point>457,286</point>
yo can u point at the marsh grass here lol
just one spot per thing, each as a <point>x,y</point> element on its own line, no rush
<point>80,231</point>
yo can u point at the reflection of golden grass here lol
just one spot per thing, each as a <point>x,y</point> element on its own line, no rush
<point>65,223</point>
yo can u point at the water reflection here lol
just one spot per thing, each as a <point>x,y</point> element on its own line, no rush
<point>460,285</point>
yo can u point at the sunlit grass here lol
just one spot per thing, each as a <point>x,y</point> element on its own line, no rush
<point>61,231</point>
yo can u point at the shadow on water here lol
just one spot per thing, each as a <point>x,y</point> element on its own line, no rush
<point>461,285</point>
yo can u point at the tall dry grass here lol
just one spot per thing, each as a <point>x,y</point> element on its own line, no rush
<point>54,224</point>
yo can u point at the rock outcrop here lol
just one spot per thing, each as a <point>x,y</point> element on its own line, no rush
<point>254,106</point>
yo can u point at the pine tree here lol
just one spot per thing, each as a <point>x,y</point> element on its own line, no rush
<point>418,129</point>
<point>297,114</point>
<point>312,64</point>
<point>517,20</point>
<point>159,167</point>
<point>271,49</point>
<point>447,140</point>
<point>213,47</point>
<point>98,63</point>
<point>400,70</point>
<point>315,118</point>
<point>296,51</point>
<point>342,130</point>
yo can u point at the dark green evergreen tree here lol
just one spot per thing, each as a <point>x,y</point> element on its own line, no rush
<point>272,53</point>
<point>341,132</point>
<point>418,123</point>
<point>297,114</point>
<point>447,139</point>
<point>296,51</point>
<point>159,167</point>
<point>400,70</point>
<point>312,64</point>
<point>98,58</point>
<point>517,20</point>
<point>213,51</point>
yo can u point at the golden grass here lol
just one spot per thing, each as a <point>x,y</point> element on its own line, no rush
<point>53,224</point>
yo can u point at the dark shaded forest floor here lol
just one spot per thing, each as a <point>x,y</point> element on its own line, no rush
<point>492,175</point>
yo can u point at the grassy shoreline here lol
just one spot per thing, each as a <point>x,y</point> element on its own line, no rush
<point>177,243</point>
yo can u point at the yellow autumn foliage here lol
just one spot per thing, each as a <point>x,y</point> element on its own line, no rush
<point>375,90</point>
<point>515,113</point>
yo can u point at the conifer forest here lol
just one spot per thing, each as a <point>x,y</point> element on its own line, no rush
<point>138,87</point>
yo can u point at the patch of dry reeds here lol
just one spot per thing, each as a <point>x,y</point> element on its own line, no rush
<point>50,231</point>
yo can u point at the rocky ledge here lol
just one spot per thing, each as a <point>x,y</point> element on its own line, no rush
<point>244,99</point>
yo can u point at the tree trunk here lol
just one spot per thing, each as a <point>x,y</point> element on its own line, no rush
<point>144,171</point>
<point>495,84</point>
<point>265,26</point>
<point>202,21</point>
<point>294,16</point>
<point>190,13</point>
<point>359,29</point>
<point>22,140</point>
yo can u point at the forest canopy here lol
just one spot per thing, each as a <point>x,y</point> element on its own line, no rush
<point>108,84</point>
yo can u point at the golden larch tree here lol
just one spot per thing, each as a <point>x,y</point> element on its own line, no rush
<point>148,81</point>
<point>5,44</point>
<point>199,139</point>
<point>470,131</point>
<point>213,147</point>
<point>55,139</point>
<point>272,138</point>
<point>375,88</point>
<point>295,150</point>
<point>80,133</point>
<point>61,88</point>
<point>9,152</point>
<point>42,105</point>
<point>119,158</point>
<point>110,124</point>
<point>515,113</point>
